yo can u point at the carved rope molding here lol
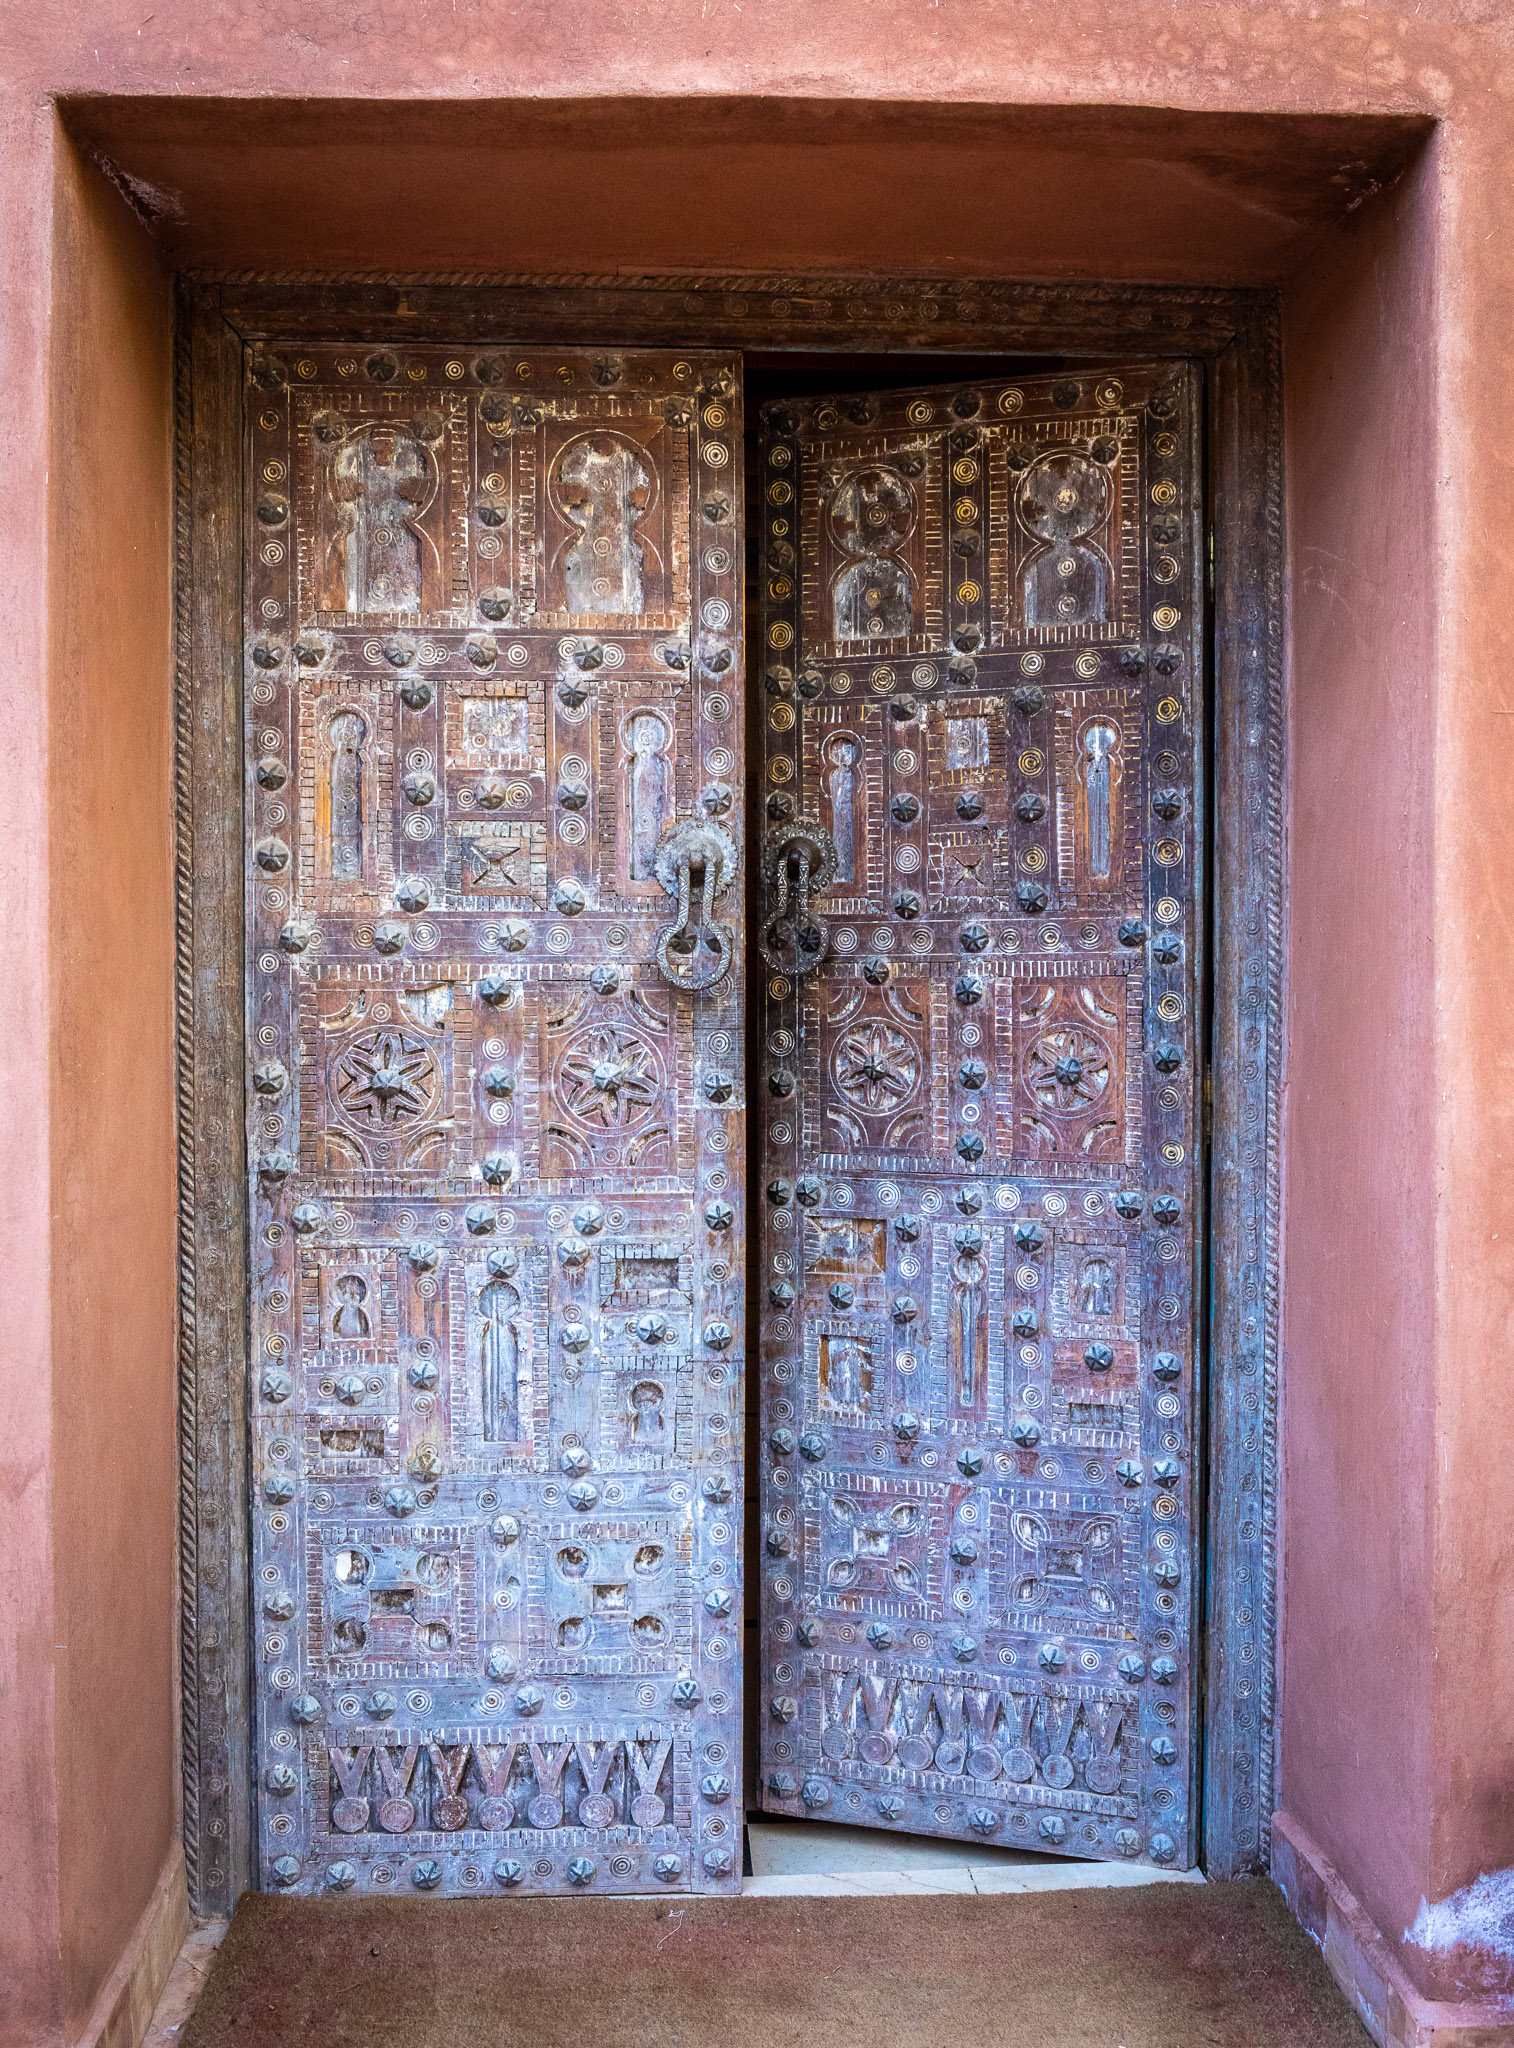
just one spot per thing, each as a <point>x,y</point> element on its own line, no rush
<point>1235,333</point>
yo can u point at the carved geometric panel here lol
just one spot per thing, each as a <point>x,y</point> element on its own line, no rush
<point>492,655</point>
<point>981,1130</point>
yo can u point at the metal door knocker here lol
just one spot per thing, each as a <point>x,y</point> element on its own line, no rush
<point>695,862</point>
<point>798,857</point>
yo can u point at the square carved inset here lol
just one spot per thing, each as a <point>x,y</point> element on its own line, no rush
<point>876,1545</point>
<point>348,1307</point>
<point>867,1084</point>
<point>495,748</point>
<point>1072,1100</point>
<point>379,1061</point>
<point>495,862</point>
<point>640,1274</point>
<point>609,1597</point>
<point>389,1602</point>
<point>615,1080</point>
<point>646,1412</point>
<point>849,1249</point>
<point>1064,1567</point>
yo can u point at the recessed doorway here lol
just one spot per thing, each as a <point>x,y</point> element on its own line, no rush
<point>952,520</point>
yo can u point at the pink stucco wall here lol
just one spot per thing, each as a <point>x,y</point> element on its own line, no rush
<point>1233,142</point>
<point>111,1069</point>
<point>1358,1423</point>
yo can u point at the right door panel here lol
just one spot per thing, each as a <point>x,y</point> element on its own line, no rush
<point>982,1134</point>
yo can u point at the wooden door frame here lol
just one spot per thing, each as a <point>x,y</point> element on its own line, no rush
<point>1235,336</point>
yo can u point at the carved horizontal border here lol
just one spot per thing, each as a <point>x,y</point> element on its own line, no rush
<point>1235,335</point>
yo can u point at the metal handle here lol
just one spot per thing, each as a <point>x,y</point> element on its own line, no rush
<point>798,857</point>
<point>695,862</point>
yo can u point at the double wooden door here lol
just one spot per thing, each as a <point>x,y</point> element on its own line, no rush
<point>496,980</point>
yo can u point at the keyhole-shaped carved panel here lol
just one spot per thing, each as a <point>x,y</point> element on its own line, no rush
<point>377,487</point>
<point>872,514</point>
<point>611,553</point>
<point>346,778</point>
<point>642,767</point>
<point>1063,503</point>
<point>870,557</point>
<point>1096,756</point>
<point>604,487</point>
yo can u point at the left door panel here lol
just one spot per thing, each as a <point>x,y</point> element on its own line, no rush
<point>495,1135</point>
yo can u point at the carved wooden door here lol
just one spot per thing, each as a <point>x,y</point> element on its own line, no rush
<point>982,621</point>
<point>495,1134</point>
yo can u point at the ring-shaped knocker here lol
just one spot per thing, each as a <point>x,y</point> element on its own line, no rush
<point>798,859</point>
<point>696,863</point>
